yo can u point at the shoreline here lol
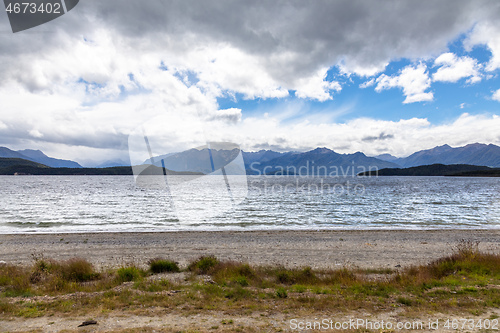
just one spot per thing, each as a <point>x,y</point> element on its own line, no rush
<point>245,230</point>
<point>320,249</point>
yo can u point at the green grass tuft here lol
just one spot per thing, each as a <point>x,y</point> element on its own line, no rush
<point>281,293</point>
<point>130,273</point>
<point>159,265</point>
<point>203,265</point>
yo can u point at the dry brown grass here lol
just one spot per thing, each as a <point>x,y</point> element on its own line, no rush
<point>467,281</point>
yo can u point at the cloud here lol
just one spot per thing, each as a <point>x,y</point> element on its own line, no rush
<point>273,48</point>
<point>348,68</point>
<point>223,68</point>
<point>316,87</point>
<point>496,95</point>
<point>79,84</point>
<point>371,136</point>
<point>367,84</point>
<point>487,33</point>
<point>381,136</point>
<point>232,115</point>
<point>301,36</point>
<point>413,80</point>
<point>453,68</point>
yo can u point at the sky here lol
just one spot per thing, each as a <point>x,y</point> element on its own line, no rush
<point>379,77</point>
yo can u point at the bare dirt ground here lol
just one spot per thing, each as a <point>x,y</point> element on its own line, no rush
<point>257,322</point>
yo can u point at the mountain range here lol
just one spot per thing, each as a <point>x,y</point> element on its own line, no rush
<point>324,161</point>
<point>38,157</point>
<point>474,154</point>
<point>317,162</point>
<point>320,161</point>
<point>437,170</point>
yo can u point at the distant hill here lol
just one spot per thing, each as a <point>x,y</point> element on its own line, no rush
<point>199,159</point>
<point>157,158</point>
<point>8,162</point>
<point>111,163</point>
<point>30,170</point>
<point>196,160</point>
<point>114,171</point>
<point>479,173</point>
<point>38,157</point>
<point>429,170</point>
<point>7,153</point>
<point>261,156</point>
<point>472,154</point>
<point>387,157</point>
<point>319,162</point>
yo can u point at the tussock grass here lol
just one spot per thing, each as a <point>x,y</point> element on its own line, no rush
<point>233,273</point>
<point>281,293</point>
<point>465,281</point>
<point>15,280</point>
<point>203,265</point>
<point>46,275</point>
<point>130,273</point>
<point>159,265</point>
<point>465,263</point>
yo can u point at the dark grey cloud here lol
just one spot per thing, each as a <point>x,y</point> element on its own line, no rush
<point>318,33</point>
<point>382,136</point>
<point>312,34</point>
<point>267,146</point>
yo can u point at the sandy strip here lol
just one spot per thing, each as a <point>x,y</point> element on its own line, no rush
<point>223,322</point>
<point>318,249</point>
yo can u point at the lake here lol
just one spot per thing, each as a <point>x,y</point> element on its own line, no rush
<point>51,204</point>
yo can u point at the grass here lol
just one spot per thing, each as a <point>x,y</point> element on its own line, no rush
<point>203,265</point>
<point>129,273</point>
<point>160,265</point>
<point>464,282</point>
<point>281,293</point>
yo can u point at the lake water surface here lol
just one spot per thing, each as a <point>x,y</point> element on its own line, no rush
<point>35,204</point>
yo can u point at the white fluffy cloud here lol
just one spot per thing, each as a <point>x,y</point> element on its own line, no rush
<point>496,95</point>
<point>316,87</point>
<point>414,80</point>
<point>487,33</point>
<point>223,68</point>
<point>453,68</point>
<point>347,68</point>
<point>367,84</point>
<point>371,136</point>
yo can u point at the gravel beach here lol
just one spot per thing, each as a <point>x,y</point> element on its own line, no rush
<point>318,249</point>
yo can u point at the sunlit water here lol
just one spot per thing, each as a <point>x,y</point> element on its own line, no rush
<point>115,203</point>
